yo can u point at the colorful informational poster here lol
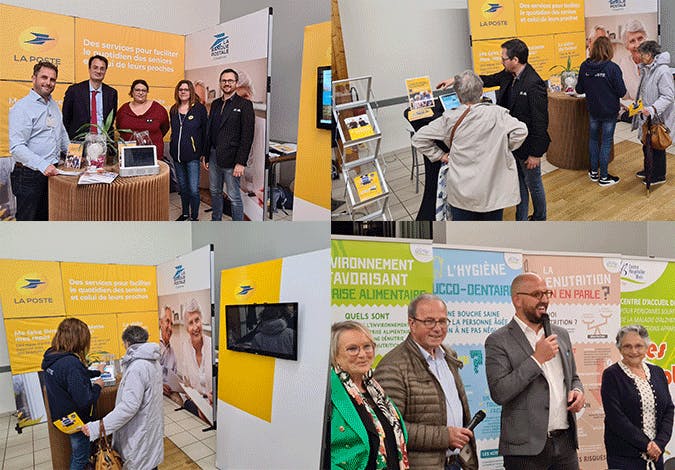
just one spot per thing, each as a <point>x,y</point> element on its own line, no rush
<point>106,337</point>
<point>648,299</point>
<point>30,36</point>
<point>545,26</point>
<point>27,340</point>
<point>108,288</point>
<point>241,44</point>
<point>586,302</point>
<point>30,289</point>
<point>368,185</point>
<point>131,52</point>
<point>476,286</point>
<point>186,326</point>
<point>374,281</point>
<point>30,405</point>
<point>359,126</point>
<point>420,98</point>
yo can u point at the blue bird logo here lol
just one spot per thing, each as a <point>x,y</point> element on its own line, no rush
<point>32,283</point>
<point>220,38</point>
<point>493,7</point>
<point>245,290</point>
<point>39,39</point>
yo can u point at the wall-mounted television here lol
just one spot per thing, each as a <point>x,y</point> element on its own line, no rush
<point>324,115</point>
<point>265,329</point>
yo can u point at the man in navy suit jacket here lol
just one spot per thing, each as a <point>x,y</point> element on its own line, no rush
<point>77,101</point>
<point>230,136</point>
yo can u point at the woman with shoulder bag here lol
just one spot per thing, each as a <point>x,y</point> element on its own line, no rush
<point>657,92</point>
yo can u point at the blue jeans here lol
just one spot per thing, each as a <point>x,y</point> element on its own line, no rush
<point>30,188</point>
<point>216,177</point>
<point>530,180</point>
<point>600,140</point>
<point>187,174</point>
<point>464,215</point>
<point>80,451</point>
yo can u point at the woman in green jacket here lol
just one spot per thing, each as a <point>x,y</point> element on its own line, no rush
<point>367,432</point>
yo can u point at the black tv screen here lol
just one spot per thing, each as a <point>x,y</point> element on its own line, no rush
<point>324,116</point>
<point>265,329</point>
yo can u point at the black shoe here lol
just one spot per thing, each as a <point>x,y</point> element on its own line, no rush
<point>593,175</point>
<point>656,181</point>
<point>641,174</point>
<point>608,180</point>
<point>182,218</point>
<point>194,219</point>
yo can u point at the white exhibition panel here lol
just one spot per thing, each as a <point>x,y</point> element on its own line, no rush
<point>292,440</point>
<point>192,265</point>
<point>307,211</point>
<point>606,8</point>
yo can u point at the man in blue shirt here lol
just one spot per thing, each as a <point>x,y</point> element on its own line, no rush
<point>36,139</point>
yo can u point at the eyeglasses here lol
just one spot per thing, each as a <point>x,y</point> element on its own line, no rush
<point>140,90</point>
<point>184,89</point>
<point>504,59</point>
<point>431,323</point>
<point>538,294</point>
<point>228,80</point>
<point>637,347</point>
<point>355,350</point>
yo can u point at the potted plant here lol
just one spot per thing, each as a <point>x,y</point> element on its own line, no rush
<point>97,146</point>
<point>568,75</point>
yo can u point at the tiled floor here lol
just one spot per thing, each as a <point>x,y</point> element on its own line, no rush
<point>175,210</point>
<point>30,449</point>
<point>404,201</point>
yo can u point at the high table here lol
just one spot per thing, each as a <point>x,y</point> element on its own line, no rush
<point>568,123</point>
<point>59,442</point>
<point>130,198</point>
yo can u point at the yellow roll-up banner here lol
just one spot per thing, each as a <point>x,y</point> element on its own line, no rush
<point>30,289</point>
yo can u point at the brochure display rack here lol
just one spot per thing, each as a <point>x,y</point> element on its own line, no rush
<point>367,193</point>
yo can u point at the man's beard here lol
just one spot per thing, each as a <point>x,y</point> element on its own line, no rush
<point>531,314</point>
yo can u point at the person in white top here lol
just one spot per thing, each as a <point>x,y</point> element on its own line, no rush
<point>534,378</point>
<point>198,370</point>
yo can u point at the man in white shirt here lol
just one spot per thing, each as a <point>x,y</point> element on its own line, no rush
<point>534,379</point>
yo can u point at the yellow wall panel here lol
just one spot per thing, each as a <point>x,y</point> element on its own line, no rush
<point>27,340</point>
<point>490,19</point>
<point>30,289</point>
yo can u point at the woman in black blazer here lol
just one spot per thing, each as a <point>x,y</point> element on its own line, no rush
<point>638,406</point>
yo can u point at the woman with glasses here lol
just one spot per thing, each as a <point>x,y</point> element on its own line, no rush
<point>141,114</point>
<point>638,406</point>
<point>366,429</point>
<point>188,137</point>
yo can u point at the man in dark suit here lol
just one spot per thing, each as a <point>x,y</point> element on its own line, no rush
<point>534,379</point>
<point>230,136</point>
<point>90,101</point>
<point>523,93</point>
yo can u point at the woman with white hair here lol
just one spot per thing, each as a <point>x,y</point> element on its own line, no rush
<point>637,404</point>
<point>482,174</point>
<point>198,364</point>
<point>634,33</point>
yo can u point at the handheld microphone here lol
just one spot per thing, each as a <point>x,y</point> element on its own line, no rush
<point>546,322</point>
<point>476,420</point>
<point>465,452</point>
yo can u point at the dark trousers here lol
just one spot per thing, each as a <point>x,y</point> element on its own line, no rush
<point>30,188</point>
<point>427,209</point>
<point>619,462</point>
<point>559,454</point>
<point>464,215</point>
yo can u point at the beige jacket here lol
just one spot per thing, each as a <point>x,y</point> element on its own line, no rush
<point>405,377</point>
<point>482,172</point>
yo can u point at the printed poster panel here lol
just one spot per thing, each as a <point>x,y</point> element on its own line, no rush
<point>30,404</point>
<point>185,327</point>
<point>586,302</point>
<point>542,54</point>
<point>240,44</point>
<point>30,289</point>
<point>487,56</point>
<point>27,340</point>
<point>570,45</point>
<point>147,320</point>
<point>108,288</point>
<point>105,337</point>
<point>374,281</point>
<point>131,52</point>
<point>476,286</point>
<point>648,299</point>
<point>30,36</point>
<point>549,17</point>
<point>492,19</point>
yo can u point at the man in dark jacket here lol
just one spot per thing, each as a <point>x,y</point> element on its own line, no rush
<point>523,93</point>
<point>90,101</point>
<point>230,136</point>
<point>422,377</point>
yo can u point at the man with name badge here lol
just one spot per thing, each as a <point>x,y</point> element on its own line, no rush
<point>36,139</point>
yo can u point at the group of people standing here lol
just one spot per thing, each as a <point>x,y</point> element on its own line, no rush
<point>221,140</point>
<point>412,410</point>
<point>494,156</point>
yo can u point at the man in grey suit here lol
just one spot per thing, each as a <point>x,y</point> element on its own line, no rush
<point>534,379</point>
